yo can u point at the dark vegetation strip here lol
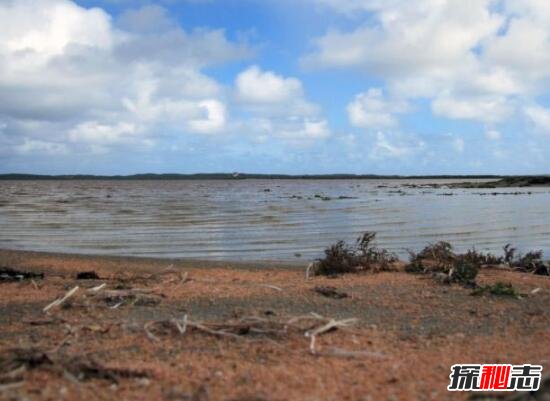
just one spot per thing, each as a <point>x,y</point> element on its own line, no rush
<point>438,260</point>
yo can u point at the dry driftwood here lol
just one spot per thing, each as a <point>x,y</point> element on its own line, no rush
<point>330,325</point>
<point>60,301</point>
<point>311,325</point>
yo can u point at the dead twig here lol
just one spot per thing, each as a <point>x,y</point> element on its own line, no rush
<point>273,287</point>
<point>97,288</point>
<point>60,301</point>
<point>331,325</point>
<point>311,325</point>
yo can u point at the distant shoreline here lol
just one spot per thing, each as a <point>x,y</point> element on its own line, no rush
<point>241,176</point>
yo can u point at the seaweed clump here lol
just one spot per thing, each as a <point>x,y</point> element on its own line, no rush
<point>341,258</point>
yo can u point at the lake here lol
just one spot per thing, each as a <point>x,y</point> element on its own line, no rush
<point>291,220</point>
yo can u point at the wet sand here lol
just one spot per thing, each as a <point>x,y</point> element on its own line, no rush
<point>409,331</point>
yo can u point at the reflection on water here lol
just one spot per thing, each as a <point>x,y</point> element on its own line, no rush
<point>262,219</point>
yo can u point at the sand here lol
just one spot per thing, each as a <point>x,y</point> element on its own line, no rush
<point>409,331</point>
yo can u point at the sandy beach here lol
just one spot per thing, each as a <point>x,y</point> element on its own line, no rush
<point>182,330</point>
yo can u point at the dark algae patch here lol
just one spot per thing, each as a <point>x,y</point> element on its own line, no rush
<point>8,274</point>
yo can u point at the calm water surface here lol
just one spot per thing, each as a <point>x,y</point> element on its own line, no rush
<point>263,219</point>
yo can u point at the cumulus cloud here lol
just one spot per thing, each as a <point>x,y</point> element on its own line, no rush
<point>493,135</point>
<point>372,110</point>
<point>48,148</point>
<point>539,117</point>
<point>257,86</point>
<point>390,145</point>
<point>213,118</point>
<point>472,58</point>
<point>277,107</point>
<point>490,109</point>
<point>73,74</point>
<point>269,93</point>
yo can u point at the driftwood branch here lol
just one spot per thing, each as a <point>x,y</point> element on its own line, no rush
<point>332,324</point>
<point>59,301</point>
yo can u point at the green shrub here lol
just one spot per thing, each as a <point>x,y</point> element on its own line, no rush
<point>464,273</point>
<point>499,289</point>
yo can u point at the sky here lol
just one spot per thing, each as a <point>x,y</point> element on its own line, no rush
<point>275,86</point>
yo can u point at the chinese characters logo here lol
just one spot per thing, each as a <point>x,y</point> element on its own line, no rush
<point>495,377</point>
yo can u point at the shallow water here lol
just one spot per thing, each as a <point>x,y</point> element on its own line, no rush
<point>263,219</point>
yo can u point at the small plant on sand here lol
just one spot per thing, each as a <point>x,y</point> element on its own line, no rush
<point>438,257</point>
<point>377,258</point>
<point>531,262</point>
<point>464,272</point>
<point>480,258</point>
<point>446,266</point>
<point>509,253</point>
<point>341,258</point>
<point>499,288</point>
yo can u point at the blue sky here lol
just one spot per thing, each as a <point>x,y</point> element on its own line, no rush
<point>308,86</point>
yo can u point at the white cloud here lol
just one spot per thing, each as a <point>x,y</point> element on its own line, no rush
<point>276,106</point>
<point>306,130</point>
<point>488,109</point>
<point>96,132</point>
<point>390,145</point>
<point>269,94</point>
<point>474,59</point>
<point>213,118</point>
<point>427,36</point>
<point>539,117</point>
<point>46,28</point>
<point>371,110</point>
<point>71,74</point>
<point>458,144</point>
<point>32,146</point>
<point>256,86</point>
<point>493,135</point>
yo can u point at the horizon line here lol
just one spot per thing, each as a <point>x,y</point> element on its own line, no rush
<point>239,175</point>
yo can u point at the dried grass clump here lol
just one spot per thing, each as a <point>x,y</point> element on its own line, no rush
<point>340,258</point>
